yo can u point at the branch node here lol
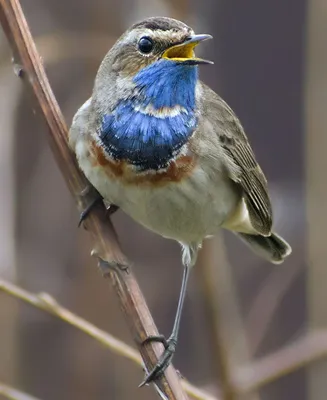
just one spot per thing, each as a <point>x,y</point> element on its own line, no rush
<point>48,300</point>
<point>107,267</point>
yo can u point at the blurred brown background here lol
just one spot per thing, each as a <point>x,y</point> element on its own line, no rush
<point>270,65</point>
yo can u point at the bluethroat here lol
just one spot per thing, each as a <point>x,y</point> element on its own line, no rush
<point>158,143</point>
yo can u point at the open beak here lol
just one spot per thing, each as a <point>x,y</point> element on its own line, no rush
<point>184,52</point>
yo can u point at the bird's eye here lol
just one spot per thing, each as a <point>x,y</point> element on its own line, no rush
<point>145,45</point>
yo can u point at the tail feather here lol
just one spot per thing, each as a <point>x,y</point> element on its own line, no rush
<point>273,248</point>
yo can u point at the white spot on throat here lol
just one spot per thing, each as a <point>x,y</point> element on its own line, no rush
<point>162,112</point>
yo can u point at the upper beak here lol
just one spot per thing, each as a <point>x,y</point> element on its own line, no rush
<point>184,52</point>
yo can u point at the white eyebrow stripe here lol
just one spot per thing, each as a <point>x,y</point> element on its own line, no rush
<point>162,112</point>
<point>164,35</point>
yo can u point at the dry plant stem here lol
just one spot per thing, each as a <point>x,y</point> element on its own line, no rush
<point>215,301</point>
<point>267,302</point>
<point>288,359</point>
<point>229,341</point>
<point>47,303</point>
<point>107,246</point>
<point>11,393</point>
<point>246,379</point>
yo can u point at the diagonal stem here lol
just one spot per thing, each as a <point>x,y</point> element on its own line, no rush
<point>30,68</point>
<point>11,393</point>
<point>46,303</point>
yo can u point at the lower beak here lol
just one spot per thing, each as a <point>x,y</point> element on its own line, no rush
<point>184,52</point>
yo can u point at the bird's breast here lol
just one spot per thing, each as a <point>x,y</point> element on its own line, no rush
<point>186,201</point>
<point>144,136</point>
<point>177,170</point>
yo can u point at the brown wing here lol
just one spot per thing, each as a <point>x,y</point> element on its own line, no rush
<point>236,146</point>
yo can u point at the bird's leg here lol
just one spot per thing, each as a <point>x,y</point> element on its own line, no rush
<point>171,342</point>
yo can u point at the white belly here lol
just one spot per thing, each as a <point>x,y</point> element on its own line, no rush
<point>186,211</point>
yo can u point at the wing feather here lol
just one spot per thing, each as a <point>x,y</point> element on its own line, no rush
<point>237,147</point>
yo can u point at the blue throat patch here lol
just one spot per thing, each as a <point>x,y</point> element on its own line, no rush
<point>149,129</point>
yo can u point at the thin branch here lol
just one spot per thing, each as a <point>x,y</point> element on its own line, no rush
<point>107,247</point>
<point>220,314</point>
<point>229,342</point>
<point>13,394</point>
<point>47,303</point>
<point>246,379</point>
<point>288,359</point>
<point>267,302</point>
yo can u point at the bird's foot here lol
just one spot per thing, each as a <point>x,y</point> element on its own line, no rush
<point>165,359</point>
<point>85,213</point>
<point>99,199</point>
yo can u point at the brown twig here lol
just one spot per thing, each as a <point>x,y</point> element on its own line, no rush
<point>13,394</point>
<point>215,303</point>
<point>267,302</point>
<point>288,359</point>
<point>107,246</point>
<point>245,379</point>
<point>251,376</point>
<point>47,303</point>
<point>229,341</point>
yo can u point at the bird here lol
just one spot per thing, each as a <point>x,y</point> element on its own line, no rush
<point>159,144</point>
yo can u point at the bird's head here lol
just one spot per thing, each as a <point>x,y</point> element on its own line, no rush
<point>144,98</point>
<point>158,51</point>
<point>156,40</point>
